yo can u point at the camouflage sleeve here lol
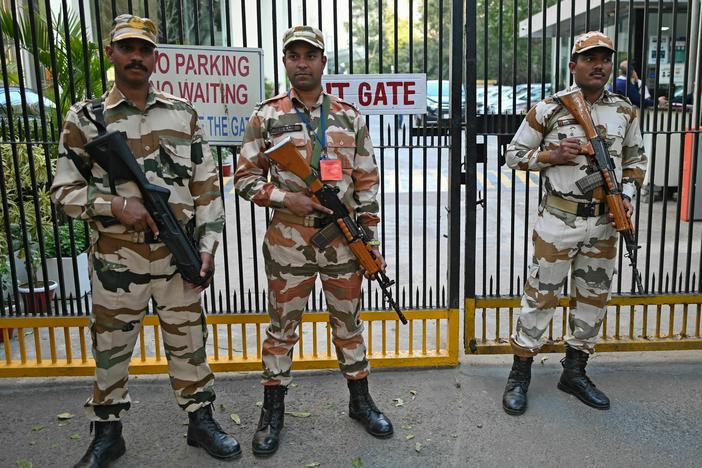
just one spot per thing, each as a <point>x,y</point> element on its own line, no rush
<point>70,190</point>
<point>205,190</point>
<point>251,176</point>
<point>525,150</point>
<point>366,178</point>
<point>633,158</point>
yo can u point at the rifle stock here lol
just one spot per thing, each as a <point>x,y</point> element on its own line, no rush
<point>574,102</point>
<point>286,155</point>
<point>110,151</point>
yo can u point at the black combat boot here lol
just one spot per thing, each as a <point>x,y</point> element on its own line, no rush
<point>574,381</point>
<point>267,436</point>
<point>362,408</point>
<point>205,432</point>
<point>106,447</point>
<point>514,399</point>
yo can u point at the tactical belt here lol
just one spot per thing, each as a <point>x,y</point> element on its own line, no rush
<point>585,210</point>
<point>146,237</point>
<point>307,221</point>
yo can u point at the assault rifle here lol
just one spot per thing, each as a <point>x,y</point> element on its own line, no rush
<point>111,152</point>
<point>574,102</point>
<point>289,158</point>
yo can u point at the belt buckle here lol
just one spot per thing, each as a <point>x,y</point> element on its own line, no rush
<point>309,221</point>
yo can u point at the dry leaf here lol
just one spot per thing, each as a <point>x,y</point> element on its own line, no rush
<point>312,465</point>
<point>298,414</point>
<point>259,404</point>
<point>409,437</point>
<point>64,416</point>
<point>74,436</point>
<point>38,427</point>
<point>407,427</point>
<point>235,417</point>
<point>399,401</point>
<point>418,447</point>
<point>357,462</point>
<point>24,463</point>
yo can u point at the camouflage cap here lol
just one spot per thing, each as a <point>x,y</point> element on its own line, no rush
<point>303,33</point>
<point>133,27</point>
<point>592,40</point>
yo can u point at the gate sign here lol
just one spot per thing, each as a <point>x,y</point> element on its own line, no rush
<point>223,84</point>
<point>399,93</point>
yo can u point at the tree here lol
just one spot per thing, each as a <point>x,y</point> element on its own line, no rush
<point>436,25</point>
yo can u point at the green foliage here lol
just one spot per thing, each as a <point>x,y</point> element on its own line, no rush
<point>437,39</point>
<point>22,196</point>
<point>70,75</point>
<point>80,239</point>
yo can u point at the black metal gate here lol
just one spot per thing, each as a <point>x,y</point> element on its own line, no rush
<point>517,52</point>
<point>52,55</point>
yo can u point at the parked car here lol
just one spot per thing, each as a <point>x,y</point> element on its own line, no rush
<point>432,115</point>
<point>524,101</point>
<point>32,99</point>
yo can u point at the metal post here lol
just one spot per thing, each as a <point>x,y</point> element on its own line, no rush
<point>454,201</point>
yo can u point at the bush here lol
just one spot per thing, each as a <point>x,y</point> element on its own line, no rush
<point>81,236</point>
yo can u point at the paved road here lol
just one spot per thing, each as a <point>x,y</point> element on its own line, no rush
<point>655,418</point>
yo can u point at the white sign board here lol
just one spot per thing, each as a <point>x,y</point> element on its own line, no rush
<point>401,93</point>
<point>223,84</point>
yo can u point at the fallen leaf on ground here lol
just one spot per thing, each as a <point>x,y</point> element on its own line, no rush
<point>544,359</point>
<point>357,462</point>
<point>312,465</point>
<point>259,403</point>
<point>55,445</point>
<point>24,463</point>
<point>294,385</point>
<point>409,437</point>
<point>418,447</point>
<point>64,416</point>
<point>298,414</point>
<point>37,427</point>
<point>407,427</point>
<point>235,417</point>
<point>74,436</point>
<point>222,408</point>
<point>399,401</point>
<point>413,393</point>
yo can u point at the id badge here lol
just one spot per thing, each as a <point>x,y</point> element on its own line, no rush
<point>330,170</point>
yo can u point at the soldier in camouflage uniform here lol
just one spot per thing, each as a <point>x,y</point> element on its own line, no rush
<point>129,264</point>
<point>319,125</point>
<point>573,233</point>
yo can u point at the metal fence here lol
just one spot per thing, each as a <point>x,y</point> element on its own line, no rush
<point>48,58</point>
<point>445,192</point>
<point>518,52</point>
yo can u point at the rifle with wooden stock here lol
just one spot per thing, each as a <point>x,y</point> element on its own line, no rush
<point>286,155</point>
<point>596,148</point>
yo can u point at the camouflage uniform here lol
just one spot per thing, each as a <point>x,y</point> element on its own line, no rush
<point>563,242</point>
<point>292,262</point>
<point>127,270</point>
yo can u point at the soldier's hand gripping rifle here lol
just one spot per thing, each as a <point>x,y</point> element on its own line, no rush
<point>286,155</point>
<point>574,102</point>
<point>111,152</point>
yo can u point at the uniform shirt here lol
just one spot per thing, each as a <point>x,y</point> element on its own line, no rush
<point>169,146</point>
<point>348,140</point>
<point>547,123</point>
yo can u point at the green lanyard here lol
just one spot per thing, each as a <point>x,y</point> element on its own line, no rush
<point>319,142</point>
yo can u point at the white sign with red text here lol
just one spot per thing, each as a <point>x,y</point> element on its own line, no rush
<point>401,93</point>
<point>223,84</point>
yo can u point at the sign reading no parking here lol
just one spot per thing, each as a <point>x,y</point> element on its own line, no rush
<point>224,84</point>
